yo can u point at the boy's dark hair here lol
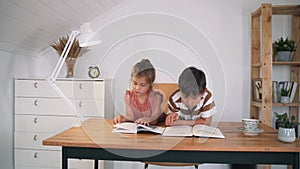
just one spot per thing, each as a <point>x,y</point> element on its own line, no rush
<point>192,81</point>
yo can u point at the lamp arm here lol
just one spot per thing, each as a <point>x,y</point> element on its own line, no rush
<point>51,80</point>
<point>79,117</point>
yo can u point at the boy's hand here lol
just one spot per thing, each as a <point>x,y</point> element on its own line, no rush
<point>171,118</point>
<point>200,121</point>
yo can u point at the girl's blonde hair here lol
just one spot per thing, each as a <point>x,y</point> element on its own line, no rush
<point>144,68</point>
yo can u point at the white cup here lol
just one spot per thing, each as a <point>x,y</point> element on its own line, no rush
<point>250,124</point>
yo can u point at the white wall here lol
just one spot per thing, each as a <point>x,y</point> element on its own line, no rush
<point>191,33</point>
<point>12,65</point>
<point>223,31</point>
<point>214,27</point>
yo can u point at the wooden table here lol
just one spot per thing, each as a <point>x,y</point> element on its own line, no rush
<point>95,140</point>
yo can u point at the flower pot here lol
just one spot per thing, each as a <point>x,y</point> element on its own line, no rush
<point>284,56</point>
<point>287,135</point>
<point>285,99</point>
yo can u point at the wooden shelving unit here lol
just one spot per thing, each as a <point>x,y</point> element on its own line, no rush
<point>262,58</point>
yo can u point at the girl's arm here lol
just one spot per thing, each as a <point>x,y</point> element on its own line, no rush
<point>120,119</point>
<point>129,114</point>
<point>155,111</point>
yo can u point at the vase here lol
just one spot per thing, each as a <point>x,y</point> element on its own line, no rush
<point>284,56</point>
<point>285,99</point>
<point>287,135</point>
<point>70,62</point>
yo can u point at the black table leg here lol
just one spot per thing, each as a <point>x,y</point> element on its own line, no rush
<point>64,159</point>
<point>96,164</point>
<point>296,161</point>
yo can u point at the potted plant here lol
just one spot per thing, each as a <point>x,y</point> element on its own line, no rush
<point>287,127</point>
<point>283,49</point>
<point>284,96</point>
<point>279,119</point>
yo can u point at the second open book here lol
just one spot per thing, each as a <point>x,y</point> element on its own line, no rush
<point>198,130</point>
<point>180,131</point>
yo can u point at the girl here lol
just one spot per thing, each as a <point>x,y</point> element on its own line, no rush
<point>143,104</point>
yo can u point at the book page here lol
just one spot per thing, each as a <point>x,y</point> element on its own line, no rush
<point>130,127</point>
<point>126,127</point>
<point>207,131</point>
<point>178,131</point>
<point>154,129</point>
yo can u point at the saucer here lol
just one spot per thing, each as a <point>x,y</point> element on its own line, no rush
<point>250,132</point>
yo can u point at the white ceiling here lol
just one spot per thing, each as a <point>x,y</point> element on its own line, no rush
<point>29,26</point>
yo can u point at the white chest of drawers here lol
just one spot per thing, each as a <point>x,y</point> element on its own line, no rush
<point>40,113</point>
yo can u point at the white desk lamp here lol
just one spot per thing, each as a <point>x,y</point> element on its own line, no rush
<point>85,34</point>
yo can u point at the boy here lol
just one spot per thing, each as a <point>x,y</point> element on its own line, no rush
<point>192,103</point>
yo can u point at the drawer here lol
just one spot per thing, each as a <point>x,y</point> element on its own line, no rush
<point>49,124</point>
<point>30,140</point>
<point>71,89</point>
<point>24,167</point>
<point>57,106</point>
<point>48,159</point>
<point>37,158</point>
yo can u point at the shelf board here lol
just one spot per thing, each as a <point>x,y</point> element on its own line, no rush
<point>259,104</point>
<point>287,63</point>
<point>281,10</point>
<point>286,9</point>
<point>279,63</point>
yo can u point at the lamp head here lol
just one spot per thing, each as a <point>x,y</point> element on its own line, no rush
<point>86,34</point>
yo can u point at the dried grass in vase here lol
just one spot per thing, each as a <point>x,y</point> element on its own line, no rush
<point>75,51</point>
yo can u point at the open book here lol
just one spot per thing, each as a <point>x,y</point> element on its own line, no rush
<point>196,130</point>
<point>128,127</point>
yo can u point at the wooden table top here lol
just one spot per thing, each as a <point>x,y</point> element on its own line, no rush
<point>97,133</point>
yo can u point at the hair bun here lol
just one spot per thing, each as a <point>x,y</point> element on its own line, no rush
<point>145,60</point>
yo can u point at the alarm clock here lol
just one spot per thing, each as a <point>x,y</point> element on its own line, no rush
<point>94,71</point>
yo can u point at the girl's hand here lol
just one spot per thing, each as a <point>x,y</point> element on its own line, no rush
<point>143,120</point>
<point>171,119</point>
<point>118,119</point>
<point>127,97</point>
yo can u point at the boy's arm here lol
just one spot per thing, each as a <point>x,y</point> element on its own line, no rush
<point>206,121</point>
<point>184,122</point>
<point>173,121</point>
